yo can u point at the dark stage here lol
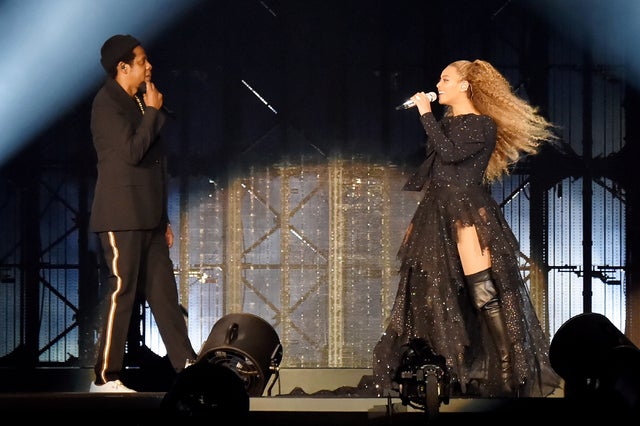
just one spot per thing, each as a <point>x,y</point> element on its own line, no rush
<point>146,408</point>
<point>280,404</point>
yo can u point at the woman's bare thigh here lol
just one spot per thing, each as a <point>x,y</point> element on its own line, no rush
<point>472,257</point>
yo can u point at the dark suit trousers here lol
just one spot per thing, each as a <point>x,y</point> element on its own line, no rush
<point>139,262</point>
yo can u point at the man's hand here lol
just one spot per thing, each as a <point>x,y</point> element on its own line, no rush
<point>153,97</point>
<point>169,235</point>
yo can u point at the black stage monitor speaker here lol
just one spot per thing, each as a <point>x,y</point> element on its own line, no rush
<point>205,392</point>
<point>597,362</point>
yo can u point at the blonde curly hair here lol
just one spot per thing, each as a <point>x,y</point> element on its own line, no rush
<point>521,129</point>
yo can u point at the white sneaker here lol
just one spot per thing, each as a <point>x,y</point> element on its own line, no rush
<point>112,386</point>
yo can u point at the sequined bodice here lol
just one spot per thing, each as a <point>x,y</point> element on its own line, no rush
<point>463,145</point>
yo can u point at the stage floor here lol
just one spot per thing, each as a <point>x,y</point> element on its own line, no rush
<point>146,408</point>
<point>62,398</point>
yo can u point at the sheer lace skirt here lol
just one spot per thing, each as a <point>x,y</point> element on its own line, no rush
<point>432,301</point>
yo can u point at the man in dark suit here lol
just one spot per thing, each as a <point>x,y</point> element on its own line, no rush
<point>129,211</point>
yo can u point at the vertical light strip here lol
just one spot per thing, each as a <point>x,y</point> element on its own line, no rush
<point>285,256</point>
<point>336,254</point>
<point>233,281</point>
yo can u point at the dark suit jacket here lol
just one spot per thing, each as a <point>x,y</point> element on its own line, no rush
<point>130,192</point>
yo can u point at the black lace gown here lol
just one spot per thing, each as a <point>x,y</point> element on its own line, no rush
<point>432,302</point>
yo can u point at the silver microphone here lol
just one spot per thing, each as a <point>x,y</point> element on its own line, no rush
<point>410,104</point>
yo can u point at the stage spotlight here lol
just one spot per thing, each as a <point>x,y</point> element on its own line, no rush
<point>235,362</point>
<point>246,344</point>
<point>599,364</point>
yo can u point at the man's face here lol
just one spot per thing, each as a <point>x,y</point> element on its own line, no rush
<point>140,68</point>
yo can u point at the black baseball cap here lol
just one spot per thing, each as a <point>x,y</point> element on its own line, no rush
<point>115,48</point>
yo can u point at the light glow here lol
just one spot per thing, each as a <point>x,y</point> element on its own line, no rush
<point>50,55</point>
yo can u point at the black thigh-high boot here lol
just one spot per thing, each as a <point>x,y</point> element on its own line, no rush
<point>485,298</point>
